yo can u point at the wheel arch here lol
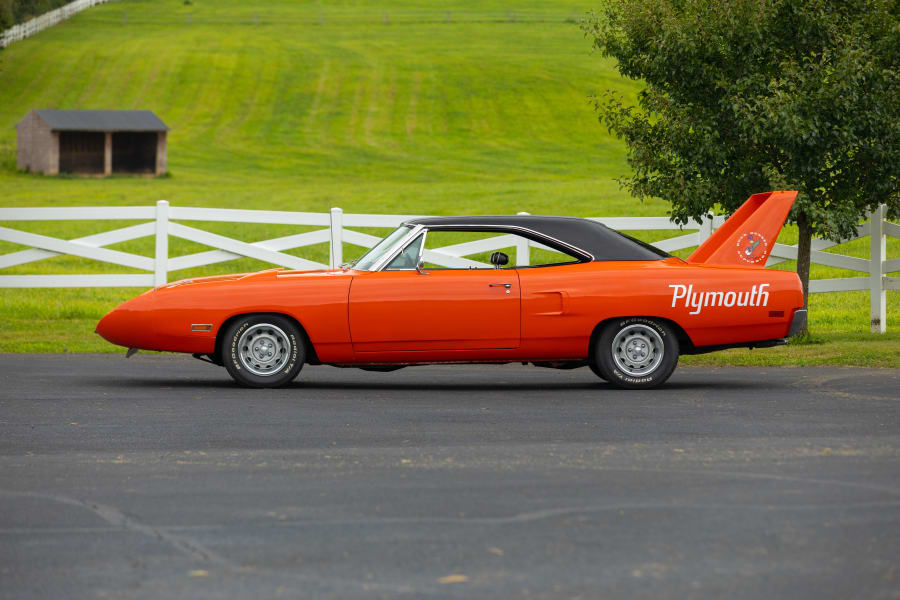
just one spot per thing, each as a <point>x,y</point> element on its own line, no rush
<point>684,340</point>
<point>311,356</point>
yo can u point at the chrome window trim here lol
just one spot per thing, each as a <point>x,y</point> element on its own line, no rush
<point>401,245</point>
<point>514,228</point>
<point>405,246</point>
<point>422,248</point>
<point>424,229</point>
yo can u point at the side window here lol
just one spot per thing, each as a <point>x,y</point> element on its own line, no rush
<point>406,260</point>
<point>472,250</point>
<point>542,256</point>
<point>459,250</point>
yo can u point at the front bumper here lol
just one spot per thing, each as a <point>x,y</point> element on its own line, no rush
<point>798,322</point>
<point>131,324</point>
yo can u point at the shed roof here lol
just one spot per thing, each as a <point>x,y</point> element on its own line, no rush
<point>102,120</point>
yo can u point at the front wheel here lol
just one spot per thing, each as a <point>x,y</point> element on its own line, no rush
<point>263,351</point>
<point>636,353</point>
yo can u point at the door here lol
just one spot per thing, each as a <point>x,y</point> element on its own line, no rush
<point>466,309</point>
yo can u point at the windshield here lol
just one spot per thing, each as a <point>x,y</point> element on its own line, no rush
<point>383,247</point>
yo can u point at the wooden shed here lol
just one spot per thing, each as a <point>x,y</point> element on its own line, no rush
<point>92,142</point>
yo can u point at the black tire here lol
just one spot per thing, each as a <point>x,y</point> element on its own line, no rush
<point>636,353</point>
<point>263,351</point>
<point>593,365</point>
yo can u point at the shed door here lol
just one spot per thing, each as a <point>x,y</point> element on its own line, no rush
<point>134,152</point>
<point>81,151</point>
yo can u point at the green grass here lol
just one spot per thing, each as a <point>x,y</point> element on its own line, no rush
<point>447,107</point>
<point>318,106</point>
<point>838,348</point>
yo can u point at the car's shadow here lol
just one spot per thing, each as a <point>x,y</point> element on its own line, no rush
<point>518,387</point>
<point>671,387</point>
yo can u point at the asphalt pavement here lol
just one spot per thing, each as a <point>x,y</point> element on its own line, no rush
<point>157,477</point>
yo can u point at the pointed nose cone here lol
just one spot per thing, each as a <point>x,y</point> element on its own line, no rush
<point>130,324</point>
<point>114,327</point>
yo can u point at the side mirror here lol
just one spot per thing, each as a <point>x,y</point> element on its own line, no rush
<point>498,259</point>
<point>419,266</point>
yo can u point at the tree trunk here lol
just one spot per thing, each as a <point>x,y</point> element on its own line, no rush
<point>804,245</point>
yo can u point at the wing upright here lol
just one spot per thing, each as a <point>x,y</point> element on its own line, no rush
<point>746,239</point>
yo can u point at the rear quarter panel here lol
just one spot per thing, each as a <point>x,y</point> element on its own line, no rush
<point>562,305</point>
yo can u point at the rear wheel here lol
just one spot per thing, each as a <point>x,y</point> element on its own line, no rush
<point>636,353</point>
<point>263,351</point>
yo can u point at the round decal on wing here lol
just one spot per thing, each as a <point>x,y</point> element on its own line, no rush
<point>751,247</point>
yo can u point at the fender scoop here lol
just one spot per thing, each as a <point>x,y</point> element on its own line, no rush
<point>746,239</point>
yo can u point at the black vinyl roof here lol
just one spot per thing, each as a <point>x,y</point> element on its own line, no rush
<point>595,240</point>
<point>102,120</point>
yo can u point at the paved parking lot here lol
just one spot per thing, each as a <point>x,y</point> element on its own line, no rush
<point>156,477</point>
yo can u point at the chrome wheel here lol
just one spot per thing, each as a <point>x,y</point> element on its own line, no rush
<point>264,349</point>
<point>637,350</point>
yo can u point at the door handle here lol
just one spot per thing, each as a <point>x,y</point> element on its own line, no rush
<point>506,285</point>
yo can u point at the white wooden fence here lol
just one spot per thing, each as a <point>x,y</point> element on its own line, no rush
<point>48,19</point>
<point>161,222</point>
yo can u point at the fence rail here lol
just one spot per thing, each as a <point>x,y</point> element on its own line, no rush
<point>161,221</point>
<point>48,19</point>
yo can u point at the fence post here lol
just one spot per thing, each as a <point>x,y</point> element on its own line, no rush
<point>337,237</point>
<point>523,249</point>
<point>877,255</point>
<point>161,259</point>
<point>706,229</point>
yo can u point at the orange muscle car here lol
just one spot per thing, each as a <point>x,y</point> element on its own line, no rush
<point>588,296</point>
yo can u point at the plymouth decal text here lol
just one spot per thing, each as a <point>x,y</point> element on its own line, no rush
<point>696,301</point>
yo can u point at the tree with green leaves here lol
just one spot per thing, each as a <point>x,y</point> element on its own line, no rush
<point>13,12</point>
<point>743,96</point>
<point>7,14</point>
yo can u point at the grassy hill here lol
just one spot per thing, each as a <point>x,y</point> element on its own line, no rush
<point>422,107</point>
<point>436,107</point>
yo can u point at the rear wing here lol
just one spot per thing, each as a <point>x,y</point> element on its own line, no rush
<point>746,239</point>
